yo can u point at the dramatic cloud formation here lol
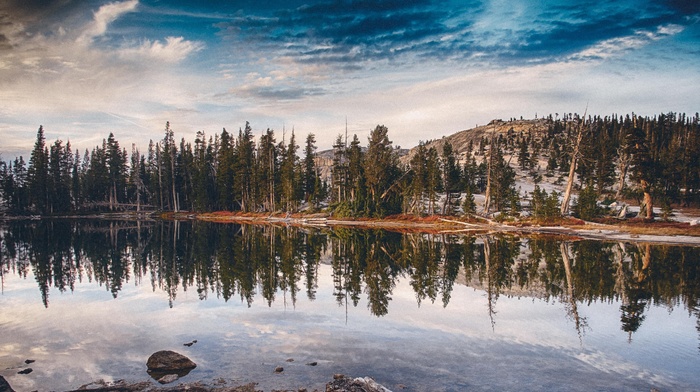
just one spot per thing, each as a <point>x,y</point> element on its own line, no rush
<point>85,68</point>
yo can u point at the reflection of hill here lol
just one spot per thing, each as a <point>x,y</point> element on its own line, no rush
<point>532,290</point>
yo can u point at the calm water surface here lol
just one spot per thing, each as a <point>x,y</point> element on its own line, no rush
<point>92,300</point>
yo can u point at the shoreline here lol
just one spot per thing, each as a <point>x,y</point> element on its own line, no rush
<point>632,230</point>
<point>658,232</point>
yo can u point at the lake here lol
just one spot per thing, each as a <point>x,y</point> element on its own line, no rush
<point>90,300</point>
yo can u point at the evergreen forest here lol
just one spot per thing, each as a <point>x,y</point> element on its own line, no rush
<point>652,161</point>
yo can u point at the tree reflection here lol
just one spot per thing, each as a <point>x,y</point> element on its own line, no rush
<point>282,263</point>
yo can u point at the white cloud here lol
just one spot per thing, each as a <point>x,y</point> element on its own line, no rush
<point>105,15</point>
<point>173,50</point>
<point>616,46</point>
<point>75,86</point>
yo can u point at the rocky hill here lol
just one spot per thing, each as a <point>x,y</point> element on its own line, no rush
<point>460,140</point>
<point>324,161</point>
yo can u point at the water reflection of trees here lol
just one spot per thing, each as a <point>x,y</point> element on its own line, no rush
<point>231,260</point>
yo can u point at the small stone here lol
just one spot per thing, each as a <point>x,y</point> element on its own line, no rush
<point>189,344</point>
<point>338,376</point>
<point>290,360</point>
<point>168,378</point>
<point>279,369</point>
<point>25,371</point>
<point>28,361</point>
<point>312,363</point>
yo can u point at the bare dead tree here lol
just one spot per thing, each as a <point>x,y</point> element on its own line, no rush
<point>572,166</point>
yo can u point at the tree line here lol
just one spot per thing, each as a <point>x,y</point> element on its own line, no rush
<point>655,160</point>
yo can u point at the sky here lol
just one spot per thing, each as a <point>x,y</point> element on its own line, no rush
<point>425,69</point>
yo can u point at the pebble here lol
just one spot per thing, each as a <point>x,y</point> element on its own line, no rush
<point>279,369</point>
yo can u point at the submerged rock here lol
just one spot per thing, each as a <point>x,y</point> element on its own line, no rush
<point>115,386</point>
<point>168,378</point>
<point>25,371</point>
<point>342,383</point>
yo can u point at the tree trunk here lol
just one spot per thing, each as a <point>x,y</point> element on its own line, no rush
<point>569,184</point>
<point>572,167</point>
<point>647,202</point>
<point>487,202</point>
<point>172,171</point>
<point>160,181</point>
<point>572,308</point>
<point>624,163</point>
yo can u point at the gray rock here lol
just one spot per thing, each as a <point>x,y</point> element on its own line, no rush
<point>168,378</point>
<point>341,383</point>
<point>165,361</point>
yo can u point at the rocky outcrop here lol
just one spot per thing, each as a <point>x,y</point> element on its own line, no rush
<point>460,140</point>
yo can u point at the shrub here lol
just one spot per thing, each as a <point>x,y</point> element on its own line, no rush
<point>586,205</point>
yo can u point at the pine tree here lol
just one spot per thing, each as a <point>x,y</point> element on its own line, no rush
<point>168,157</point>
<point>339,171</point>
<point>523,154</point>
<point>356,175</point>
<point>244,168</point>
<point>451,177</point>
<point>268,170</point>
<point>225,168</point>
<point>503,194</point>
<point>59,177</point>
<point>417,189</point>
<point>290,182</point>
<point>116,165</point>
<point>433,178</point>
<point>381,171</point>
<point>310,178</point>
<point>37,174</point>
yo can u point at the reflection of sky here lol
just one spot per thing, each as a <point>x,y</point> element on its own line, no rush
<point>86,335</point>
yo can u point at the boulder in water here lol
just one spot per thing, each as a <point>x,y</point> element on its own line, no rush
<point>163,363</point>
